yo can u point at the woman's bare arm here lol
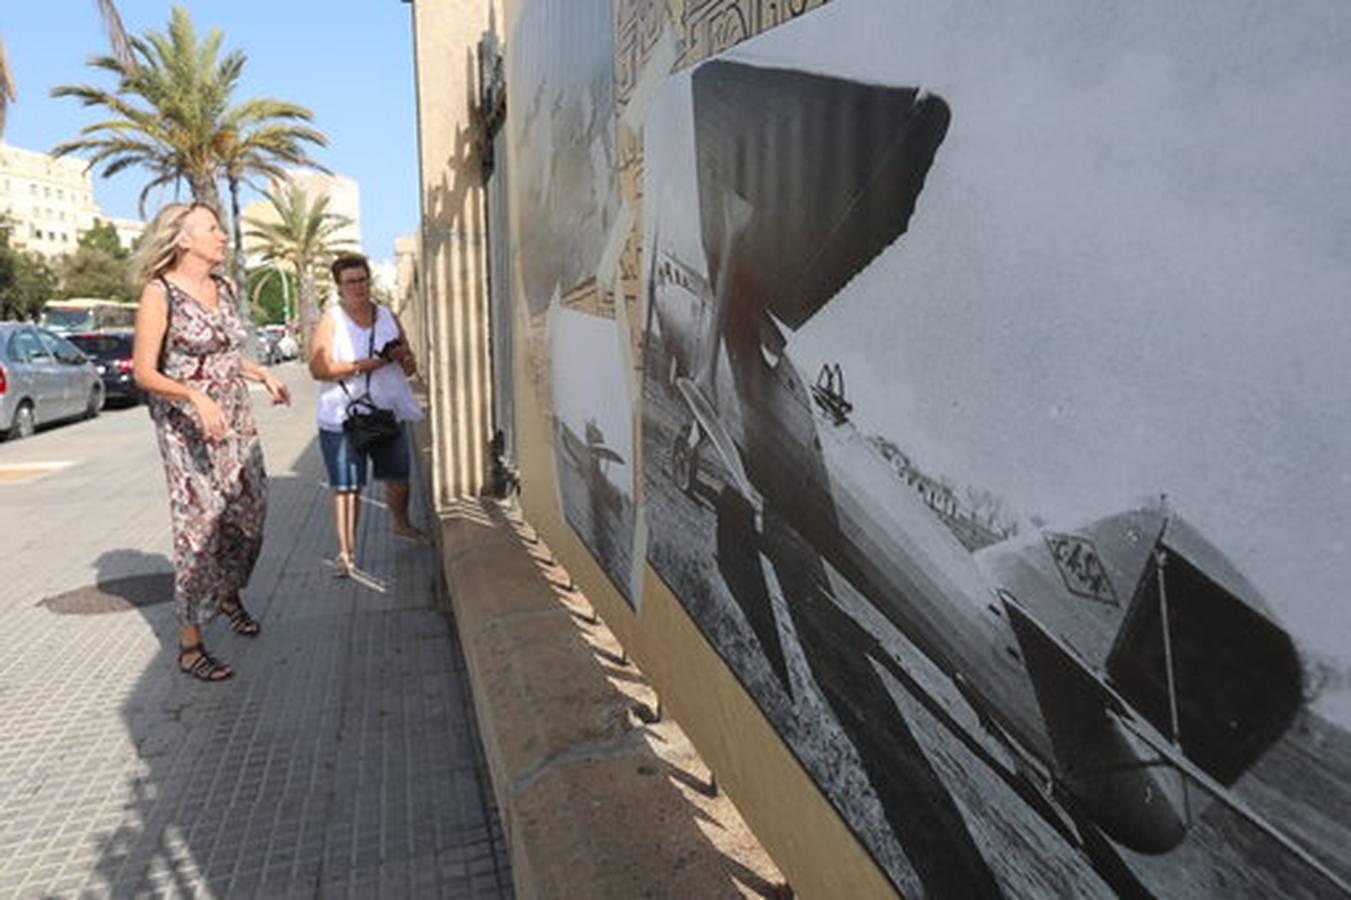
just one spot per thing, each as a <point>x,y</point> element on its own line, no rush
<point>152,321</point>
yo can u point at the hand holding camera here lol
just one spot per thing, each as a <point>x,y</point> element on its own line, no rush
<point>391,351</point>
<point>396,351</point>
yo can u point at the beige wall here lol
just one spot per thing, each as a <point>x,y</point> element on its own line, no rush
<point>407,290</point>
<point>454,319</point>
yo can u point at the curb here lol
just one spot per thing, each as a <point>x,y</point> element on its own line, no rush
<point>598,797</point>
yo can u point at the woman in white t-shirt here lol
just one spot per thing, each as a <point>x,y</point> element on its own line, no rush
<point>359,349</point>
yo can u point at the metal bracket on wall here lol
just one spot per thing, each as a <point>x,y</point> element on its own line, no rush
<point>504,480</point>
<point>492,96</point>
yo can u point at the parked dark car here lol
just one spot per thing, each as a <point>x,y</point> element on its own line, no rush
<point>43,378</point>
<point>111,354</point>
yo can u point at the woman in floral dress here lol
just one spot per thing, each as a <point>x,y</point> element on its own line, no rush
<point>187,358</point>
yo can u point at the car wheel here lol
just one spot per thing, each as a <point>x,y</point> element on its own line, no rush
<point>95,403</point>
<point>25,423</point>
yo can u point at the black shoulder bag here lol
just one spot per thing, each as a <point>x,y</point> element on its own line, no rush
<point>367,425</point>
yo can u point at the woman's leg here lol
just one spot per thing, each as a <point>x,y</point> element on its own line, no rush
<point>396,498</point>
<point>353,520</point>
<point>193,658</point>
<point>346,476</point>
<point>393,465</point>
<point>344,524</point>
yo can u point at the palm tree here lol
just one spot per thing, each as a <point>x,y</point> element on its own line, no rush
<point>117,40</point>
<point>166,112</point>
<point>172,115</point>
<point>304,238</point>
<point>259,136</point>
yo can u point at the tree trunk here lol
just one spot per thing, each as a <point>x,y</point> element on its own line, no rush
<point>205,190</point>
<point>309,309</point>
<point>245,312</point>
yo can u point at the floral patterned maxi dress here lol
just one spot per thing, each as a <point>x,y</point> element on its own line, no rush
<point>217,489</point>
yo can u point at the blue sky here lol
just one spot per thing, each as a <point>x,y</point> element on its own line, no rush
<point>352,67</point>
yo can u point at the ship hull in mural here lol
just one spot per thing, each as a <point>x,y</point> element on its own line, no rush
<point>994,709</point>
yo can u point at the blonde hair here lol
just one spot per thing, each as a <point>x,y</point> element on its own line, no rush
<point>159,249</point>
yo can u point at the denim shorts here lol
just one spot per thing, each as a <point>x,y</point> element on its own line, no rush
<point>347,466</point>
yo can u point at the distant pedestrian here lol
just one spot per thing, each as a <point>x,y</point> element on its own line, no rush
<point>187,357</point>
<point>360,351</point>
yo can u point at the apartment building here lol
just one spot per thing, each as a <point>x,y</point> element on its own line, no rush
<point>48,201</point>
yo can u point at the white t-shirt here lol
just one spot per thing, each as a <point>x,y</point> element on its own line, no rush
<point>388,386</point>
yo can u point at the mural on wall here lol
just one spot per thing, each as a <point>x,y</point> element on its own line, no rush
<point>562,129</point>
<point>991,431</point>
<point>561,126</point>
<point>593,438</point>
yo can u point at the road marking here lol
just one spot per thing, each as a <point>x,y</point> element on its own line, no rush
<point>21,471</point>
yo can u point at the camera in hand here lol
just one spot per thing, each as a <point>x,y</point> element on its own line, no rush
<point>387,351</point>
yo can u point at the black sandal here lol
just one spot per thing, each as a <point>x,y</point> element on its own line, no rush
<point>240,620</point>
<point>206,667</point>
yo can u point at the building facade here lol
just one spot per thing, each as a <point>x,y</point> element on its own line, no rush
<point>129,231</point>
<point>344,199</point>
<point>49,201</point>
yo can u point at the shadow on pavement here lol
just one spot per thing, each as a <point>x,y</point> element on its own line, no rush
<point>114,591</point>
<point>342,757</point>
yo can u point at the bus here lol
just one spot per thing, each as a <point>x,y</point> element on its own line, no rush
<point>82,314</point>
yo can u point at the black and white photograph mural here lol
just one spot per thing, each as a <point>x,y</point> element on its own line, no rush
<point>993,430</point>
<point>560,85</point>
<point>593,439</point>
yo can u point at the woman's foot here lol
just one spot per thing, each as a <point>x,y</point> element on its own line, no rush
<point>195,661</point>
<point>342,566</point>
<point>240,620</point>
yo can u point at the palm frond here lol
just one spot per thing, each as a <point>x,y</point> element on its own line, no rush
<point>162,179</point>
<point>171,112</point>
<point>117,34</point>
<point>8,92</point>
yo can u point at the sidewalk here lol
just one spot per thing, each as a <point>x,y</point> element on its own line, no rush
<point>341,760</point>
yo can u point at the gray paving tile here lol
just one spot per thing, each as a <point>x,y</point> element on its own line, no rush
<point>344,752</point>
